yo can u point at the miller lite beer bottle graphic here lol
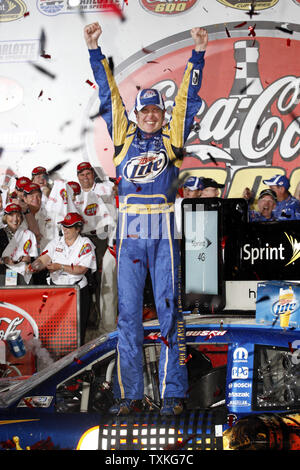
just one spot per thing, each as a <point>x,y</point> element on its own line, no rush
<point>247,88</point>
<point>286,303</point>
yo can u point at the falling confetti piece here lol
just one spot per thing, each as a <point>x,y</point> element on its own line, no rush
<point>46,56</point>
<point>77,360</point>
<point>187,359</point>
<point>288,42</point>
<point>252,31</point>
<point>43,70</point>
<point>241,24</point>
<point>41,93</point>
<point>26,14</point>
<point>284,30</point>
<point>91,84</point>
<point>212,158</point>
<point>227,32</point>
<point>161,338</point>
<point>136,261</point>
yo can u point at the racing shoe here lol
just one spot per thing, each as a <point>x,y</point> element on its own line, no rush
<point>125,406</point>
<point>172,406</point>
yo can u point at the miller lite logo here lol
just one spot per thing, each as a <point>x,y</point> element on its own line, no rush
<point>85,249</point>
<point>145,168</point>
<point>279,308</point>
<point>91,209</point>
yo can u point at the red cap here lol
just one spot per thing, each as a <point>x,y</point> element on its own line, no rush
<point>20,182</point>
<point>72,218</point>
<point>84,166</point>
<point>30,187</point>
<point>12,208</point>
<point>75,186</point>
<point>39,170</point>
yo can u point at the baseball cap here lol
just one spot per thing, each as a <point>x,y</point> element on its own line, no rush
<point>39,170</point>
<point>75,186</point>
<point>192,183</point>
<point>72,218</point>
<point>84,166</point>
<point>149,96</point>
<point>21,182</point>
<point>278,180</point>
<point>30,187</point>
<point>210,183</point>
<point>267,192</point>
<point>12,208</point>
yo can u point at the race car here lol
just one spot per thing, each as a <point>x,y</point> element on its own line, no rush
<point>244,393</point>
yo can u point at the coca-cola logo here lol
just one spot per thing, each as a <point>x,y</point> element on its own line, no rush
<point>248,125</point>
<point>14,318</point>
<point>167,7</point>
<point>259,4</point>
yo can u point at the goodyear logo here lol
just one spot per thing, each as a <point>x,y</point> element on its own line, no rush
<point>85,249</point>
<point>91,209</point>
<point>279,308</point>
<point>145,168</point>
<point>11,10</point>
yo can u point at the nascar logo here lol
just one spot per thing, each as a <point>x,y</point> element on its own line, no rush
<point>145,168</point>
<point>27,246</point>
<point>91,209</point>
<point>85,249</point>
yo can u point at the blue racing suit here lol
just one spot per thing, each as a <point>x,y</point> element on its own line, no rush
<point>148,165</point>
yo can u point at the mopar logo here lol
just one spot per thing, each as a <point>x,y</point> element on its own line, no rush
<point>278,308</point>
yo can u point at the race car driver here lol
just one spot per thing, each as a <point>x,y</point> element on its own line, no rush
<point>148,155</point>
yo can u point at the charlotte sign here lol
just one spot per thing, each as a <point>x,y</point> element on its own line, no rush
<point>248,127</point>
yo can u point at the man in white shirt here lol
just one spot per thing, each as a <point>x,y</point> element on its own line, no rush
<point>96,204</point>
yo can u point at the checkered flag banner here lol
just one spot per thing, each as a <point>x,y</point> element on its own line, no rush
<point>247,87</point>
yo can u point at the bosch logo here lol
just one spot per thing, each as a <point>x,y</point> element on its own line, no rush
<point>145,168</point>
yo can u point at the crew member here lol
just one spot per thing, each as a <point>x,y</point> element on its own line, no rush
<point>287,207</point>
<point>68,259</point>
<point>266,204</point>
<point>147,157</point>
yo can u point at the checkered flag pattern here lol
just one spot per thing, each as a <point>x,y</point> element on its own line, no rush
<point>247,87</point>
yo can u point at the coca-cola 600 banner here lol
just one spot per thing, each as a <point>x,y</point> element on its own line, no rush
<point>246,130</point>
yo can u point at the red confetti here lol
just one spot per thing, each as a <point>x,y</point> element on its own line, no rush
<point>78,361</point>
<point>187,359</point>
<point>26,14</point>
<point>138,189</point>
<point>41,92</point>
<point>179,444</point>
<point>28,403</point>
<point>288,42</point>
<point>46,56</point>
<point>44,300</point>
<point>252,31</point>
<point>90,83</point>
<point>114,8</point>
<point>241,24</point>
<point>72,266</point>
<point>161,338</point>
<point>136,261</point>
<point>44,252</point>
<point>117,202</point>
<point>290,347</point>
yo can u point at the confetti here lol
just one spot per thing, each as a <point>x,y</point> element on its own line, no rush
<point>91,84</point>
<point>111,64</point>
<point>187,359</point>
<point>26,14</point>
<point>179,444</point>
<point>241,24</point>
<point>284,30</point>
<point>212,158</point>
<point>44,252</point>
<point>41,93</point>
<point>77,360</point>
<point>46,56</point>
<point>44,300</point>
<point>290,347</point>
<point>161,338</point>
<point>43,70</point>
<point>136,261</point>
<point>227,32</point>
<point>252,31</point>
<point>288,42</point>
